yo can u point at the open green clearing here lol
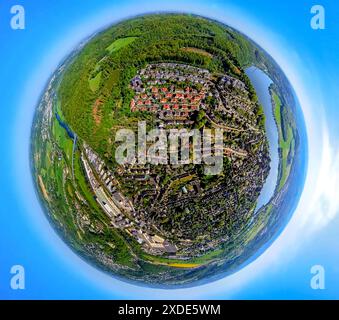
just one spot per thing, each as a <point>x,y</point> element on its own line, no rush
<point>120,43</point>
<point>94,83</point>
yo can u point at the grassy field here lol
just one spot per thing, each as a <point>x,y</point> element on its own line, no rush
<point>58,110</point>
<point>63,140</point>
<point>184,265</point>
<point>286,142</point>
<point>81,182</point>
<point>120,43</point>
<point>94,83</point>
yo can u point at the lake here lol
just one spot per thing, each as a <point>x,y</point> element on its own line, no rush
<point>261,83</point>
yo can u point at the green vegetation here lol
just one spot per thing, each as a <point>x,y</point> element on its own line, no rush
<point>131,45</point>
<point>120,43</point>
<point>94,83</point>
<point>93,95</point>
<point>286,139</point>
<point>64,143</point>
<point>70,198</point>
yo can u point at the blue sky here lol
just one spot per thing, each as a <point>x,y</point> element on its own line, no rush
<point>310,60</point>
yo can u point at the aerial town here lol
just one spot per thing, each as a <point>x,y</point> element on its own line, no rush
<point>157,205</point>
<point>173,91</point>
<point>119,209</point>
<point>178,198</point>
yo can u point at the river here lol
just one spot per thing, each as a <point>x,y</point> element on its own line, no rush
<point>65,126</point>
<point>261,83</point>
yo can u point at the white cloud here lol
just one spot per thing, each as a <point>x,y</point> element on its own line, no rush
<point>324,205</point>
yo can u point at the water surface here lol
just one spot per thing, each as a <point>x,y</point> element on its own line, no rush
<point>261,83</point>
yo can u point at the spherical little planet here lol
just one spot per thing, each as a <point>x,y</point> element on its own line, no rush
<point>161,157</point>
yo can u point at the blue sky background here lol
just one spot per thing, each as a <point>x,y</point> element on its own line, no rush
<point>308,57</point>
